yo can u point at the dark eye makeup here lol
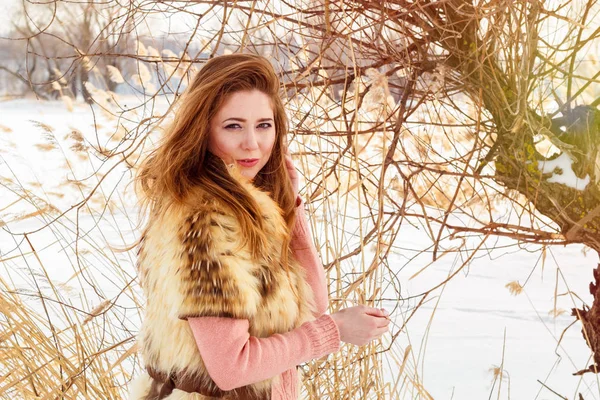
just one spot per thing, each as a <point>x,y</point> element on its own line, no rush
<point>232,126</point>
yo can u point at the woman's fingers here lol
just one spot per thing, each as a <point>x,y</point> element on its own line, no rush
<point>376,312</point>
<point>383,328</point>
<point>381,332</point>
<point>287,157</point>
<point>288,161</point>
<point>382,322</point>
<point>290,165</point>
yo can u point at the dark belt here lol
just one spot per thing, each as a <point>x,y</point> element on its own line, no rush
<point>163,385</point>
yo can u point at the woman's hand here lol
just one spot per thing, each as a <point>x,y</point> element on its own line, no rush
<point>361,324</point>
<point>292,172</point>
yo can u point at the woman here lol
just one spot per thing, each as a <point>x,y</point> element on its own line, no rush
<point>236,295</point>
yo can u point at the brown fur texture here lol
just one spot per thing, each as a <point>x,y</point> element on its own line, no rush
<point>192,264</point>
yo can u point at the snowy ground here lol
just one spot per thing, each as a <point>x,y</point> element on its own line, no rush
<point>478,324</point>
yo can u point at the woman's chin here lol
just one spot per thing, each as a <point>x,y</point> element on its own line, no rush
<point>248,174</point>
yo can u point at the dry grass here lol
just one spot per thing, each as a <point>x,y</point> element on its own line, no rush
<point>48,358</point>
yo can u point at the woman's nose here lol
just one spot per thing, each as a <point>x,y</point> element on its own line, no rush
<point>250,140</point>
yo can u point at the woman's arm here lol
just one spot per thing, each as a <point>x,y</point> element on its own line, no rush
<point>233,358</point>
<point>305,252</point>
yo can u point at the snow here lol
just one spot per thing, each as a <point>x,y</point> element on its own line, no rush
<point>464,329</point>
<point>564,174</point>
<point>475,311</point>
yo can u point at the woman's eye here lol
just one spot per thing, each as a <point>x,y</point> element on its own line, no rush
<point>264,125</point>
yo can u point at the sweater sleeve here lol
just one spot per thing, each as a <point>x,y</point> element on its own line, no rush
<point>305,252</point>
<point>234,359</point>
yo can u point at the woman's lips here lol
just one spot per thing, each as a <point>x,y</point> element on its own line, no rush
<point>248,162</point>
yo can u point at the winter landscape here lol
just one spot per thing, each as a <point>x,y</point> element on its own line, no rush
<point>474,248</point>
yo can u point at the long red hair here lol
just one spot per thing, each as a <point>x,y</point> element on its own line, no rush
<point>182,162</point>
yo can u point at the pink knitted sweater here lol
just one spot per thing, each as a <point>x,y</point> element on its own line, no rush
<point>241,359</point>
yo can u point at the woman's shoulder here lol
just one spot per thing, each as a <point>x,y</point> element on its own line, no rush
<point>181,227</point>
<point>197,199</point>
<point>174,217</point>
<point>201,208</point>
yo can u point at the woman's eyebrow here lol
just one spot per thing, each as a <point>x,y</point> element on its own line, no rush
<point>243,120</point>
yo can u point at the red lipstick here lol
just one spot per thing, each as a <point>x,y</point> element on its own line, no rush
<point>248,162</point>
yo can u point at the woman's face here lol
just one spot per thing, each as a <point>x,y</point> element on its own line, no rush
<point>243,131</point>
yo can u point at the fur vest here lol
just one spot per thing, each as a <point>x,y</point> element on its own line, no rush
<point>189,267</point>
